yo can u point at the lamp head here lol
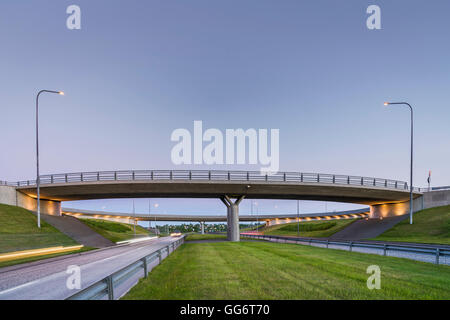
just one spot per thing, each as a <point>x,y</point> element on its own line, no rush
<point>61,92</point>
<point>386,103</point>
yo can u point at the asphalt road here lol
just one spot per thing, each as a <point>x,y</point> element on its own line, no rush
<point>47,279</point>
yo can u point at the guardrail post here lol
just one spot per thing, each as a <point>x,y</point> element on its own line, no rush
<point>132,176</point>
<point>51,179</point>
<point>248,176</point>
<point>374,181</point>
<point>301,177</point>
<point>171,175</point>
<point>334,179</point>
<point>396,184</point>
<point>209,175</point>
<point>110,287</point>
<point>229,175</point>
<point>384,250</point>
<point>318,177</point>
<point>350,246</point>
<point>144,260</point>
<point>115,175</point>
<point>190,175</point>
<point>66,177</point>
<point>437,255</point>
<point>98,176</point>
<point>348,179</point>
<point>284,177</point>
<point>362,181</point>
<point>81,176</point>
<point>328,242</point>
<point>385,183</point>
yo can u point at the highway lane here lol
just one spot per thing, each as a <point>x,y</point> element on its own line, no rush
<point>47,280</point>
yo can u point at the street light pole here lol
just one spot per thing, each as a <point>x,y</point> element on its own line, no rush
<point>298,218</point>
<point>38,179</point>
<point>411,160</point>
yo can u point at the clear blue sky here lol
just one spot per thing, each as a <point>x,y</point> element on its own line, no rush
<point>137,70</point>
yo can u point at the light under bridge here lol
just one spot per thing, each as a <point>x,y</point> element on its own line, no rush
<point>268,219</point>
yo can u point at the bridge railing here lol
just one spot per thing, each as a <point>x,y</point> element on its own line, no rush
<point>106,287</point>
<point>435,254</point>
<point>215,175</point>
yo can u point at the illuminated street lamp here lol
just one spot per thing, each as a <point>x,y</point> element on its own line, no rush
<point>411,159</point>
<point>38,179</point>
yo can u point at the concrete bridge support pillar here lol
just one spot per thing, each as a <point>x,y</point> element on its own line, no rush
<point>233,233</point>
<point>202,226</point>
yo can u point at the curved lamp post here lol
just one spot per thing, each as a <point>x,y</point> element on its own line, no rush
<point>411,159</point>
<point>38,179</point>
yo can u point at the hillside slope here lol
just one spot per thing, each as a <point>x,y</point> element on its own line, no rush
<point>19,231</point>
<point>429,226</point>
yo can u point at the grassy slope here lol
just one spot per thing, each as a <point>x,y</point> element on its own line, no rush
<point>263,270</point>
<point>313,229</point>
<point>31,259</point>
<point>430,226</point>
<point>114,231</point>
<point>19,231</point>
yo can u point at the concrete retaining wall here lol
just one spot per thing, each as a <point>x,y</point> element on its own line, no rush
<point>9,195</point>
<point>428,200</point>
<point>436,198</point>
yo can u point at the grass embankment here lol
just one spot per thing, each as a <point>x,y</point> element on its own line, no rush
<point>263,270</point>
<point>43,257</point>
<point>115,231</point>
<point>313,229</point>
<point>430,226</point>
<point>19,231</point>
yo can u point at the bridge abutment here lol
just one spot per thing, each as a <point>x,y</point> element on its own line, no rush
<point>233,233</point>
<point>385,210</point>
<point>9,195</point>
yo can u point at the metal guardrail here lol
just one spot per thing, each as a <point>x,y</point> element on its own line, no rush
<point>435,252</point>
<point>434,189</point>
<point>105,287</point>
<point>213,175</point>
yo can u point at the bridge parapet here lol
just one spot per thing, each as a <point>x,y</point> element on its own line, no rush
<point>214,175</point>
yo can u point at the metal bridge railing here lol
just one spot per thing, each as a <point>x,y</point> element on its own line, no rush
<point>214,175</point>
<point>105,288</point>
<point>435,253</point>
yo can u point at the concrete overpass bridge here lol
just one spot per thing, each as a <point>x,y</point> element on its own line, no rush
<point>269,219</point>
<point>385,197</point>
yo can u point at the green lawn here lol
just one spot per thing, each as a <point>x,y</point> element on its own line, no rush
<point>19,231</point>
<point>196,236</point>
<point>319,229</point>
<point>115,231</point>
<point>429,226</point>
<point>264,270</point>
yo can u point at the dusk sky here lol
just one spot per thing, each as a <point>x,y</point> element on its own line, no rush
<point>138,70</point>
